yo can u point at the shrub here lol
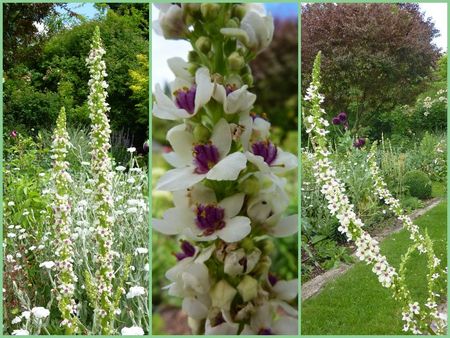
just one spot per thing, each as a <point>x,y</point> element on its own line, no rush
<point>419,184</point>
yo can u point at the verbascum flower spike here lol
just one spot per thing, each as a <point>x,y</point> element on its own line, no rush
<point>102,174</point>
<point>230,201</point>
<point>65,278</point>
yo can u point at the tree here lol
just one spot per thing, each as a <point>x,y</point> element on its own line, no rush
<point>375,56</point>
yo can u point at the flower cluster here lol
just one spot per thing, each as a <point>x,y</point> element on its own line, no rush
<point>66,278</point>
<point>428,102</point>
<point>101,169</point>
<point>341,119</point>
<point>423,244</point>
<point>228,193</point>
<point>367,248</point>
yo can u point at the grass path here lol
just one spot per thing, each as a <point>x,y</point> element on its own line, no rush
<point>355,303</point>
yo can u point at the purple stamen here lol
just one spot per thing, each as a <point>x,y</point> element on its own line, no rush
<point>265,149</point>
<point>209,218</point>
<point>265,332</point>
<point>229,88</point>
<point>205,157</point>
<point>187,249</point>
<point>272,279</point>
<point>185,99</point>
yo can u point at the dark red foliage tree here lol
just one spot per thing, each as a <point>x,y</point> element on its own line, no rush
<point>374,56</point>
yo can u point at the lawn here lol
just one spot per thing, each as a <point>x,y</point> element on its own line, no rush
<point>356,304</point>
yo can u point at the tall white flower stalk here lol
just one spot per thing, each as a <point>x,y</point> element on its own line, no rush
<point>367,248</point>
<point>65,278</point>
<point>227,182</point>
<point>102,174</point>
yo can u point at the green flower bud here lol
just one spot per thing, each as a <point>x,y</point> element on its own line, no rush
<point>193,56</point>
<point>232,23</point>
<point>239,11</point>
<point>263,266</point>
<point>268,246</point>
<point>192,9</point>
<point>236,61</point>
<point>222,295</point>
<point>248,288</point>
<point>203,44</point>
<point>248,79</point>
<point>201,133</point>
<point>210,11</point>
<point>192,68</point>
<point>247,244</point>
<point>250,186</point>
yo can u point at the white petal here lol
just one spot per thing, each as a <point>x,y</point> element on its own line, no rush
<point>219,93</point>
<point>221,137</point>
<point>286,290</point>
<point>246,121</point>
<point>228,169</point>
<point>165,108</point>
<point>240,100</point>
<point>180,68</point>
<point>235,229</point>
<point>232,204</point>
<point>226,329</point>
<point>258,161</point>
<point>286,326</point>
<point>194,308</point>
<point>174,219</point>
<point>180,84</point>
<point>285,161</point>
<point>174,160</point>
<point>247,331</point>
<point>204,88</point>
<point>286,227</point>
<point>237,33</point>
<point>179,179</point>
<point>182,142</point>
<point>205,254</point>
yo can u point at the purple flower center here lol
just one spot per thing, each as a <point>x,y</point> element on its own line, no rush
<point>205,157</point>
<point>265,332</point>
<point>336,120</point>
<point>187,250</point>
<point>209,218</point>
<point>185,99</point>
<point>229,88</point>
<point>272,279</point>
<point>265,149</point>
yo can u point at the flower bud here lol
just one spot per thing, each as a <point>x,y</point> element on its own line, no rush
<point>259,209</point>
<point>236,61</point>
<point>222,295</point>
<point>171,24</point>
<point>247,244</point>
<point>232,23</point>
<point>194,325</point>
<point>263,266</point>
<point>192,9</point>
<point>250,186</point>
<point>193,56</point>
<point>209,11</point>
<point>201,133</point>
<point>203,44</point>
<point>239,11</point>
<point>268,246</point>
<point>248,288</point>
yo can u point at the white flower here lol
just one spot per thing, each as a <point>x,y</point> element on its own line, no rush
<point>26,314</point>
<point>11,204</point>
<point>16,320</point>
<point>189,96</point>
<point>131,149</point>
<point>270,158</point>
<point>234,99</point>
<point>20,332</point>
<point>147,267</point>
<point>256,30</point>
<point>132,331</point>
<point>135,291</point>
<point>47,264</point>
<point>120,168</point>
<point>207,220</point>
<point>170,23</point>
<point>40,312</point>
<point>194,163</point>
<point>263,322</point>
<point>414,308</point>
<point>141,251</point>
